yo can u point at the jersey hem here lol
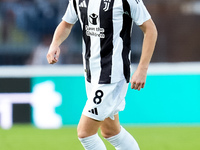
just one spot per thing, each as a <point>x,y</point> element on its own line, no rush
<point>68,21</point>
<point>140,23</point>
<point>105,82</point>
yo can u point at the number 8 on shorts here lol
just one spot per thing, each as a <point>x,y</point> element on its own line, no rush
<point>98,97</point>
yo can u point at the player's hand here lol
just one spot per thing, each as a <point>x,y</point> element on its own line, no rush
<point>138,79</point>
<point>53,54</point>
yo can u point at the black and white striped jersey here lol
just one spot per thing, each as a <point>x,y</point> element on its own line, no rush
<point>106,26</point>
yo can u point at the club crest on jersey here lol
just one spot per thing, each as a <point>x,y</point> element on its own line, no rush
<point>107,4</point>
<point>93,19</point>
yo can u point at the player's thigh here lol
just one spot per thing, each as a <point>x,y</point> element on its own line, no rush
<point>87,126</point>
<point>110,127</point>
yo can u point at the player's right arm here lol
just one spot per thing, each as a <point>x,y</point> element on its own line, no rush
<point>61,33</point>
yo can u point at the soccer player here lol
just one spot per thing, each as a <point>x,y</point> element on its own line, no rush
<point>106,26</point>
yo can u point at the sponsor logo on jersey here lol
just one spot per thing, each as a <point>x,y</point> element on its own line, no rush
<point>93,19</point>
<point>94,31</point>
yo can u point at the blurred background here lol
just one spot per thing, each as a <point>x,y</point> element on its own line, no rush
<point>35,94</point>
<point>26,27</point>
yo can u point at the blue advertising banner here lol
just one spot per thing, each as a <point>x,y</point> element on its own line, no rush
<point>166,99</point>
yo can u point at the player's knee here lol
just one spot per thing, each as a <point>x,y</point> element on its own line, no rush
<point>110,130</point>
<point>106,133</point>
<point>82,133</point>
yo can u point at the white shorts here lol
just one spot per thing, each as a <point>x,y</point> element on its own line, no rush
<point>105,100</point>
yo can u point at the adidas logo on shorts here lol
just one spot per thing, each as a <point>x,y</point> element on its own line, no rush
<point>93,111</point>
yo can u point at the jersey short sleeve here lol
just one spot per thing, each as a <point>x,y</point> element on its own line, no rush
<point>139,12</point>
<point>70,15</point>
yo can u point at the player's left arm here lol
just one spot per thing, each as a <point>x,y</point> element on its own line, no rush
<point>138,79</point>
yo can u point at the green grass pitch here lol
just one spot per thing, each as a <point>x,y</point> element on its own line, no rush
<point>26,137</point>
